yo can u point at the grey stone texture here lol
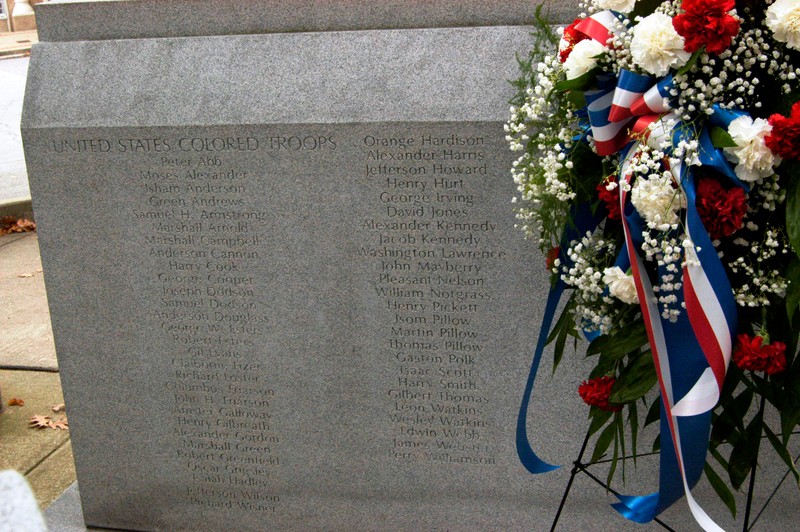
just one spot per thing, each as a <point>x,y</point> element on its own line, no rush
<point>239,235</point>
<point>18,508</point>
<point>91,20</point>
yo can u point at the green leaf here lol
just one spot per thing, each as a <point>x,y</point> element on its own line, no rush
<point>635,380</point>
<point>721,488</point>
<point>633,421</point>
<point>783,452</point>
<point>599,418</point>
<point>561,341</point>
<point>790,417</point>
<point>604,441</point>
<point>580,83</point>
<point>737,409</point>
<point>793,214</point>
<point>629,338</point>
<point>720,138</point>
<point>564,326</point>
<point>719,458</point>
<point>690,63</point>
<point>793,290</point>
<point>577,99</point>
<point>618,440</point>
<point>621,440</point>
<point>745,453</point>
<point>654,414</point>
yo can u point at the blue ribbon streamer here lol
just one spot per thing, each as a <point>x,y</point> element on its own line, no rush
<point>527,456</point>
<point>583,220</point>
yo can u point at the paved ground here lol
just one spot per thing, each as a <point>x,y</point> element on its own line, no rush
<point>13,176</point>
<point>27,372</point>
<point>27,356</point>
<point>26,338</point>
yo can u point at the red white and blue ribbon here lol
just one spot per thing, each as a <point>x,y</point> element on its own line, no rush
<point>601,26</point>
<point>620,109</point>
<point>688,354</point>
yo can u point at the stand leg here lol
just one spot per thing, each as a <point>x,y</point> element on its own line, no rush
<point>578,464</point>
<point>752,485</point>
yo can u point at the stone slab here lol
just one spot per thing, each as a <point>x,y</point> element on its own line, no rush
<point>82,20</point>
<point>26,337</point>
<point>437,75</point>
<point>18,509</point>
<point>65,514</point>
<point>225,279</point>
<point>321,366</point>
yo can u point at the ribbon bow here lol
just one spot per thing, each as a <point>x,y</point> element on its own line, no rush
<point>622,108</point>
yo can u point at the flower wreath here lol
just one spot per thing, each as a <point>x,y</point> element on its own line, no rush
<point>659,168</point>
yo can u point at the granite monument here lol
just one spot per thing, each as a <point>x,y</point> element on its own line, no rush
<point>285,282</point>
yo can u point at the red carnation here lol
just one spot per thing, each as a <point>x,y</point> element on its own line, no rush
<point>551,257</point>
<point>595,392</point>
<point>721,210</point>
<point>610,198</point>
<point>571,37</point>
<point>707,23</point>
<point>751,355</point>
<point>784,140</point>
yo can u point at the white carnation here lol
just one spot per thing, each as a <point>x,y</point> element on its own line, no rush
<point>620,285</point>
<point>783,18</point>
<point>754,159</point>
<point>656,46</point>
<point>583,58</point>
<point>623,6</point>
<point>657,201</point>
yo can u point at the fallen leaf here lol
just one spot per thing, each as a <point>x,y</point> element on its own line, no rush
<point>24,275</point>
<point>61,424</point>
<point>40,422</point>
<point>14,401</point>
<point>10,224</point>
<point>45,422</point>
<point>59,408</point>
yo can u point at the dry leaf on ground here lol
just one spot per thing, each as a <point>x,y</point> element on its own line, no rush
<point>43,422</point>
<point>11,224</point>
<point>61,424</point>
<point>59,408</point>
<point>39,422</point>
<point>24,275</point>
<point>15,401</point>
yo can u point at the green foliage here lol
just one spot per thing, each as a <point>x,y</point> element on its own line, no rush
<point>720,138</point>
<point>793,291</point>
<point>563,329</point>
<point>635,379</point>
<point>793,204</point>
<point>690,63</point>
<point>581,83</point>
<point>720,488</point>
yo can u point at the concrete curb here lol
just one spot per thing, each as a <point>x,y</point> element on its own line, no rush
<point>18,207</point>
